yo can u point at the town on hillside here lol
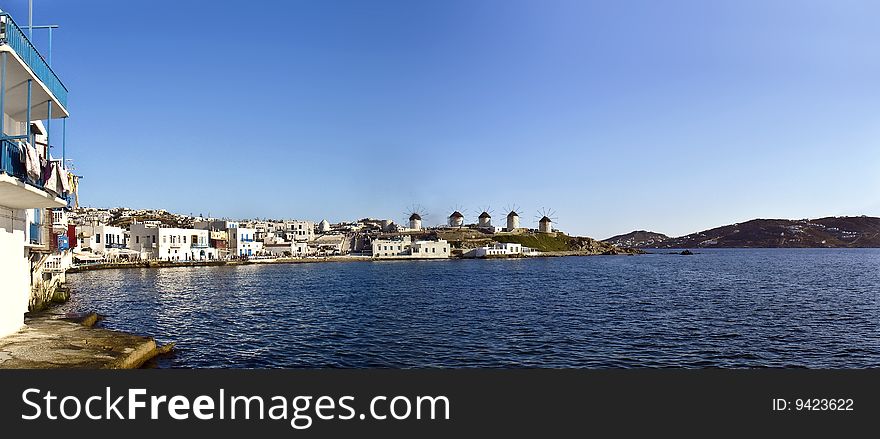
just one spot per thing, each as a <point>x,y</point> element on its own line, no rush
<point>93,235</point>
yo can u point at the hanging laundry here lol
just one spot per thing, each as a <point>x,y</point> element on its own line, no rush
<point>75,189</point>
<point>63,176</point>
<point>31,160</point>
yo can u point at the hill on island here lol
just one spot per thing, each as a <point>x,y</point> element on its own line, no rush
<point>840,232</point>
<point>639,238</point>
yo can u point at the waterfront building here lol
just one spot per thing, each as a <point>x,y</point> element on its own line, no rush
<point>405,248</point>
<point>29,90</point>
<point>100,238</point>
<point>242,242</point>
<point>171,243</point>
<point>502,249</point>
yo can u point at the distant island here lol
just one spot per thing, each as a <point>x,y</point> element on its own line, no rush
<point>830,232</point>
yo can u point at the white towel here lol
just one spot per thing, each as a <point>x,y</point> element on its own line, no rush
<point>32,161</point>
<point>65,181</point>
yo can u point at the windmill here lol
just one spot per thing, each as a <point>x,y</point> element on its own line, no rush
<point>485,218</point>
<point>456,218</point>
<point>415,213</point>
<point>512,217</point>
<point>547,218</point>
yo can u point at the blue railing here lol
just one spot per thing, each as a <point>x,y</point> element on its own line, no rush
<point>12,35</point>
<point>11,163</point>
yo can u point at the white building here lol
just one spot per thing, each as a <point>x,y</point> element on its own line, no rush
<point>99,238</point>
<point>242,242</point>
<point>299,230</point>
<point>287,249</point>
<point>171,244</point>
<point>405,248</point>
<point>324,226</point>
<point>503,249</point>
<point>30,88</point>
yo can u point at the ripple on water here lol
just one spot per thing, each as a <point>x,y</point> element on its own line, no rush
<point>719,308</point>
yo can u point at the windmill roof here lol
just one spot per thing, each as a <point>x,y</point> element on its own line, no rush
<point>545,220</point>
<point>456,214</point>
<point>485,215</point>
<point>512,213</point>
<point>415,216</point>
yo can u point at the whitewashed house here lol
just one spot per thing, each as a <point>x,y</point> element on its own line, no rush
<point>243,242</point>
<point>29,90</point>
<point>502,249</point>
<point>170,243</point>
<point>99,238</point>
<point>405,248</point>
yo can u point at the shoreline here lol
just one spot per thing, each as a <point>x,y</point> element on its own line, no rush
<point>223,263</point>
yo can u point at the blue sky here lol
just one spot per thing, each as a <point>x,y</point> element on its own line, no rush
<point>672,116</point>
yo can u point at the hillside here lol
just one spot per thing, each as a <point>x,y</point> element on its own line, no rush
<point>639,238</point>
<point>561,243</point>
<point>843,232</point>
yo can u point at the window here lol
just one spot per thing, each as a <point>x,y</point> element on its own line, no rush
<point>137,239</point>
<point>444,249</point>
<point>164,239</point>
<point>184,239</point>
<point>433,249</point>
<point>98,238</point>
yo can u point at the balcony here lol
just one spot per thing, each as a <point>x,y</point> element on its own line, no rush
<point>17,190</point>
<point>199,245</point>
<point>35,66</point>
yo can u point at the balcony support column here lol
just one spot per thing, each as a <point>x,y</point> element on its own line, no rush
<point>27,127</point>
<point>3,93</point>
<point>49,128</point>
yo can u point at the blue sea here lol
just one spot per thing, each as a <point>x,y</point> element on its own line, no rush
<point>731,308</point>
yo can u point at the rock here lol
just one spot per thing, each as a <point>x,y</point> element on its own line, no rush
<point>686,253</point>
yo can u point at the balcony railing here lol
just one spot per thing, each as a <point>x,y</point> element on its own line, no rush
<point>12,35</point>
<point>199,245</point>
<point>36,234</point>
<point>11,163</point>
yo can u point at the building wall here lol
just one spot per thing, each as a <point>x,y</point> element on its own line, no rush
<point>144,239</point>
<point>243,243</point>
<point>300,230</point>
<point>14,270</point>
<point>101,236</point>
<point>431,249</point>
<point>390,248</point>
<point>405,248</point>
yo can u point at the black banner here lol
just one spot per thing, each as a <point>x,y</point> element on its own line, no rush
<point>429,403</point>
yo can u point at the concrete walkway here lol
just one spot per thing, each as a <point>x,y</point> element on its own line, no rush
<point>51,341</point>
